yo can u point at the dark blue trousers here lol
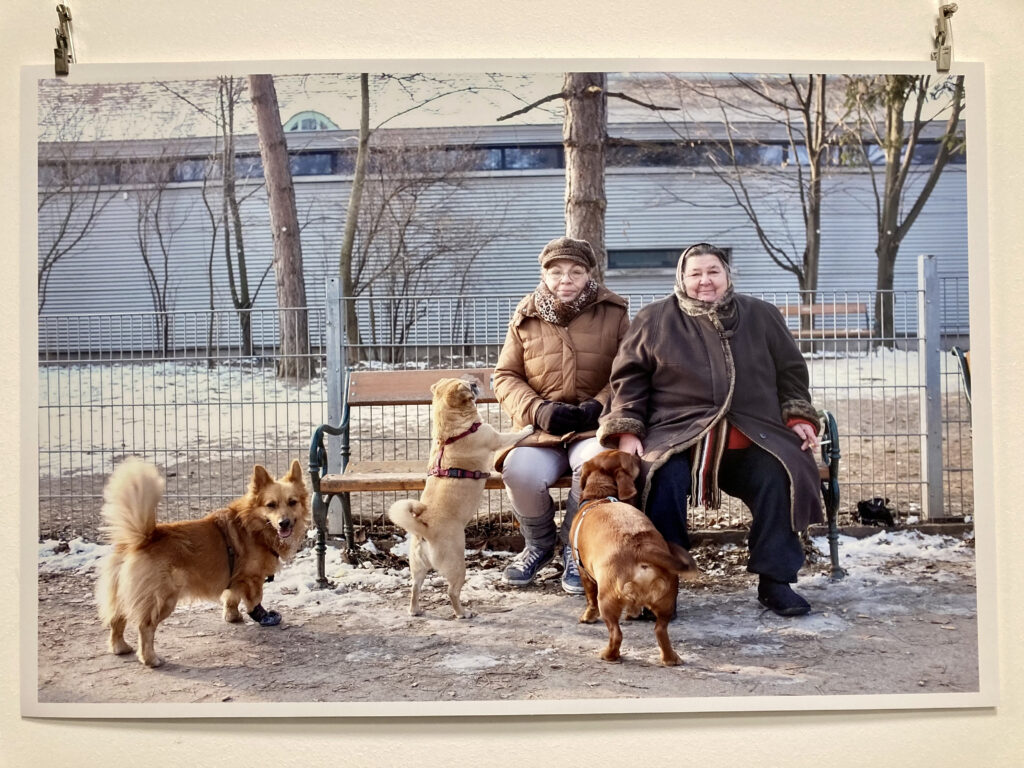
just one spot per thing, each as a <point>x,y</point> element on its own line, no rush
<point>759,480</point>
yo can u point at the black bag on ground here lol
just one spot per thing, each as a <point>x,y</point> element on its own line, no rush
<point>875,512</point>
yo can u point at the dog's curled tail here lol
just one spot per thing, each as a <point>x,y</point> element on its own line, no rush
<point>129,503</point>
<point>406,513</point>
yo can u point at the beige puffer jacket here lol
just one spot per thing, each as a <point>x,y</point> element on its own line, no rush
<point>543,361</point>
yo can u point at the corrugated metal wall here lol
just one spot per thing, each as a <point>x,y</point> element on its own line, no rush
<point>647,208</point>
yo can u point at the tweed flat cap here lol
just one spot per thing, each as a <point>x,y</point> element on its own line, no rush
<point>568,248</point>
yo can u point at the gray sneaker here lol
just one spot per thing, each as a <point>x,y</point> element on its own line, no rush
<point>571,583</point>
<point>527,564</point>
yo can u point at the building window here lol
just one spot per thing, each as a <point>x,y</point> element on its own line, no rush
<point>648,258</point>
<point>309,121</point>
<point>643,258</point>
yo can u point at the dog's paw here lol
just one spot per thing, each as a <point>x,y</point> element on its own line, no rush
<point>671,661</point>
<point>611,655</point>
<point>152,662</point>
<point>589,616</point>
<point>119,648</point>
<point>264,617</point>
<point>466,614</point>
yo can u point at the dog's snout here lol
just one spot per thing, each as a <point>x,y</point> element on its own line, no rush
<point>285,524</point>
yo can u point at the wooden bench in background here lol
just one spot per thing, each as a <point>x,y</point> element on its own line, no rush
<point>412,387</point>
<point>845,320</point>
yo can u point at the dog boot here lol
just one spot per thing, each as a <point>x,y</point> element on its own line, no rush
<point>780,598</point>
<point>264,617</point>
<point>571,583</point>
<point>527,564</point>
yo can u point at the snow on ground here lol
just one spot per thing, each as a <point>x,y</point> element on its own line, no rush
<point>883,557</point>
<point>91,413</point>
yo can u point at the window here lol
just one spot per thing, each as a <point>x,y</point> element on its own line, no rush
<point>643,258</point>
<point>312,163</point>
<point>309,121</point>
<point>649,258</point>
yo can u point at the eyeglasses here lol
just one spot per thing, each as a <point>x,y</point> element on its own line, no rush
<point>575,274</point>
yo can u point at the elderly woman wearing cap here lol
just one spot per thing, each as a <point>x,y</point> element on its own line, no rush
<point>711,391</point>
<point>553,373</point>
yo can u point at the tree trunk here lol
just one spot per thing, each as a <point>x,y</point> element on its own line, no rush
<point>355,198</point>
<point>584,131</point>
<point>294,359</point>
<point>888,226</point>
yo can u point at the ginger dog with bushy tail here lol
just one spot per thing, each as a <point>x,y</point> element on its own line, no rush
<point>226,556</point>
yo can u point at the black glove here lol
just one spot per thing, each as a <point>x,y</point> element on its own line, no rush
<point>557,418</point>
<point>590,409</point>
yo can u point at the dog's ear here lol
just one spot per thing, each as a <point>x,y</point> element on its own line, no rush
<point>588,467</point>
<point>294,475</point>
<point>260,479</point>
<point>627,468</point>
<point>625,483</point>
<point>433,387</point>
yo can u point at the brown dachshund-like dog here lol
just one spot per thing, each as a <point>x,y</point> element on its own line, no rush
<point>624,562</point>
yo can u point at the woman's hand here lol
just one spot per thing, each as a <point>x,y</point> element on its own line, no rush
<point>630,443</point>
<point>807,434</point>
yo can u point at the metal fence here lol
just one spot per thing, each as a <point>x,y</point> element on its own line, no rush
<point>206,412</point>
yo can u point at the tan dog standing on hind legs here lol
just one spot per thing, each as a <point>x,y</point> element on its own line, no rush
<point>460,464</point>
<point>225,556</point>
<point>625,564</point>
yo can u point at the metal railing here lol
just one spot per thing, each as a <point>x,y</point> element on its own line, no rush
<point>209,403</point>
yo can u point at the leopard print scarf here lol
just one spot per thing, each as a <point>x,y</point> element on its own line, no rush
<point>557,312</point>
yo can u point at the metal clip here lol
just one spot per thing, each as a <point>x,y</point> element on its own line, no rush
<point>64,53</point>
<point>943,53</point>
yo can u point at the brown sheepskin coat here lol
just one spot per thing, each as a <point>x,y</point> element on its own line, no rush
<point>677,375</point>
<point>543,361</point>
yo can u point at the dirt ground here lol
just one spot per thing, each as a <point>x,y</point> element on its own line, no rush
<point>909,627</point>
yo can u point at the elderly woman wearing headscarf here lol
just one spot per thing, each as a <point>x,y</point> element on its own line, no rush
<point>711,391</point>
<point>553,373</point>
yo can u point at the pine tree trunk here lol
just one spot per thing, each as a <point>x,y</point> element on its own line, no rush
<point>293,359</point>
<point>584,131</point>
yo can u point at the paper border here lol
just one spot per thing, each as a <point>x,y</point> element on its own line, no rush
<point>987,694</point>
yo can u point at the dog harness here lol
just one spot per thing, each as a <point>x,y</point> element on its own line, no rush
<point>582,512</point>
<point>471,474</point>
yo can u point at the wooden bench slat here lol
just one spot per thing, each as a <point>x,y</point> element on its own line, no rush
<point>397,476</point>
<point>411,475</point>
<point>410,387</point>
<point>818,310</point>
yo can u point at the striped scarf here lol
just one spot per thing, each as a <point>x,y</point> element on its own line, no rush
<point>704,460</point>
<point>706,455</point>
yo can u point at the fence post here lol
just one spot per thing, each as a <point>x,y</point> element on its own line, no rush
<point>929,321</point>
<point>335,364</point>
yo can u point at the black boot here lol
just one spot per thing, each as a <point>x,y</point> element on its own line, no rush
<point>780,598</point>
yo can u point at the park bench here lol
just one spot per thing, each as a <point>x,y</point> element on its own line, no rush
<point>828,321</point>
<point>394,388</point>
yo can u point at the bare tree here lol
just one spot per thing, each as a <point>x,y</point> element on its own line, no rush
<point>777,137</point>
<point>160,217</point>
<point>355,197</point>
<point>75,186</point>
<point>411,242</point>
<point>584,139</point>
<point>892,113</point>
<point>294,359</point>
